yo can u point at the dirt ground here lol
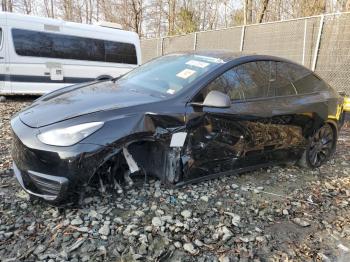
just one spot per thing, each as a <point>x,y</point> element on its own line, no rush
<point>274,214</point>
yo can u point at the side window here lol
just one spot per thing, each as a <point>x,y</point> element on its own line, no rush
<point>33,44</point>
<point>280,82</point>
<point>42,44</point>
<point>226,83</point>
<point>219,84</point>
<point>304,80</point>
<point>78,48</point>
<point>247,81</point>
<point>253,79</point>
<point>234,90</point>
<point>0,37</point>
<point>120,53</point>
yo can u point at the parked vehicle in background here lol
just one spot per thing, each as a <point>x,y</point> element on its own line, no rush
<point>39,55</point>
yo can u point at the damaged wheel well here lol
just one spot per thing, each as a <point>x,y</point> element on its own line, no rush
<point>156,158</point>
<point>149,157</point>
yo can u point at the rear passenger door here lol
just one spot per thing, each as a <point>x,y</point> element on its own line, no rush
<point>297,99</point>
<point>254,111</point>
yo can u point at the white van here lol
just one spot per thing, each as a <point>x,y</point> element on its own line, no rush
<point>38,55</point>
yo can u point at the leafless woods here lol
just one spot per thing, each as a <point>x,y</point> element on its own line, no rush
<point>152,18</point>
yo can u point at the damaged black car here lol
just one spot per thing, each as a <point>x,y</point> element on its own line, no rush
<point>181,118</point>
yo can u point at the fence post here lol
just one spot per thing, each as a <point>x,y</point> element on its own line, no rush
<point>317,44</point>
<point>195,41</point>
<point>242,38</point>
<point>304,42</point>
<point>162,46</point>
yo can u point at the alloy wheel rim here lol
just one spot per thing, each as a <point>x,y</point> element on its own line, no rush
<point>321,146</point>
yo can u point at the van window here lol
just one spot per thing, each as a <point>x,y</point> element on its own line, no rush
<point>42,44</point>
<point>125,53</point>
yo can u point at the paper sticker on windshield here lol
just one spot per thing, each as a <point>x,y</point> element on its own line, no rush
<point>170,91</point>
<point>186,73</point>
<point>197,63</point>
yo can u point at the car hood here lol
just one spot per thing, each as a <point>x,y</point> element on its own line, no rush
<point>79,100</point>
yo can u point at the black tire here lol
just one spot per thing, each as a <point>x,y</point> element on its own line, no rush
<point>320,148</point>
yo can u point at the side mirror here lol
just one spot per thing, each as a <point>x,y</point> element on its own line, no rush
<point>215,99</point>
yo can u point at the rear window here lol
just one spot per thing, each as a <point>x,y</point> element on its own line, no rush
<point>42,44</point>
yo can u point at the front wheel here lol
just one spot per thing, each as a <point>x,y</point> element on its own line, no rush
<point>320,148</point>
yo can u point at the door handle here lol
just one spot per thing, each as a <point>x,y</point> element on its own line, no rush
<point>1,57</point>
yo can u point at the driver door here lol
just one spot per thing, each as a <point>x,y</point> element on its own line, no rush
<point>222,139</point>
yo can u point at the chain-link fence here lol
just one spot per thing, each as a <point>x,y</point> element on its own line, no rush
<point>321,43</point>
<point>333,60</point>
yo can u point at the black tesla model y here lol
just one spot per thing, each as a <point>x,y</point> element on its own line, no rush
<point>181,118</point>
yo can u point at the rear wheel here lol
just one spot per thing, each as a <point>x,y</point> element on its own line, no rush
<point>320,148</point>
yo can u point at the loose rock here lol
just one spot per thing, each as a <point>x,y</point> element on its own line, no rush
<point>190,248</point>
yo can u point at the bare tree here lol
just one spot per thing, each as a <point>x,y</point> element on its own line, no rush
<point>49,8</point>
<point>171,16</point>
<point>263,11</point>
<point>27,6</point>
<point>7,5</point>
<point>168,17</point>
<point>248,11</point>
<point>88,6</point>
<point>136,11</point>
<point>343,5</point>
<point>67,8</point>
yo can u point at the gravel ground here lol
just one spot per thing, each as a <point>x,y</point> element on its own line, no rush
<point>275,214</point>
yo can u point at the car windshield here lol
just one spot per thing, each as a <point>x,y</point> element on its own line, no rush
<point>168,75</point>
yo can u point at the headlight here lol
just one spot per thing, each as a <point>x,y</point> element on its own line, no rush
<point>70,135</point>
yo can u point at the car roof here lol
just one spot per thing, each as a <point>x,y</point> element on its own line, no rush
<point>227,55</point>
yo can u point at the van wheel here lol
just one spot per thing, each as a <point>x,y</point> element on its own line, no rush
<point>320,148</point>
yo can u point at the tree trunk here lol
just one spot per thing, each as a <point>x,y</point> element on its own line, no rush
<point>204,15</point>
<point>171,16</point>
<point>159,26</point>
<point>263,11</point>
<point>248,11</point>
<point>52,11</point>
<point>7,5</point>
